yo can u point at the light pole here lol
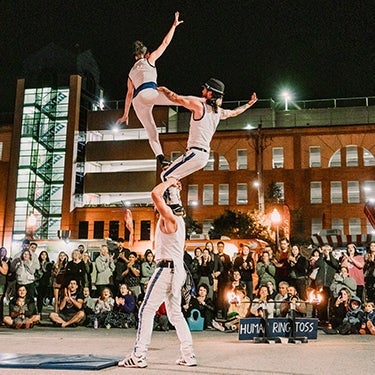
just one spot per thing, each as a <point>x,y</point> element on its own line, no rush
<point>276,220</point>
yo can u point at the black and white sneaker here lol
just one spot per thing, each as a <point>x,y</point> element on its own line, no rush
<point>133,361</point>
<point>163,161</point>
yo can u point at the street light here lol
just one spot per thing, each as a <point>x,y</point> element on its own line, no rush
<point>286,96</point>
<point>276,220</point>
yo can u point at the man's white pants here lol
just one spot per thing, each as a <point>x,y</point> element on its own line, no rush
<point>193,160</point>
<point>159,290</point>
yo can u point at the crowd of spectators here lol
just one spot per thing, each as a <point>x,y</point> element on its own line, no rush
<point>107,291</point>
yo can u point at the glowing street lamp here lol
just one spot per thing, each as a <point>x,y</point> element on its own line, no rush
<point>276,220</point>
<point>287,97</point>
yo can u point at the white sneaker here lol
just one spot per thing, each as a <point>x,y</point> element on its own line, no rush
<point>218,326</point>
<point>187,361</point>
<point>133,361</point>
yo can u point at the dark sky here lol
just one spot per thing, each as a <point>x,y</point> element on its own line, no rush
<point>320,49</point>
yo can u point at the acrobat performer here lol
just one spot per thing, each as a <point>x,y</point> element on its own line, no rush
<point>165,284</point>
<point>205,117</point>
<point>142,90</point>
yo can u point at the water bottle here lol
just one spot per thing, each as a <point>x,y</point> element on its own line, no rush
<point>96,323</point>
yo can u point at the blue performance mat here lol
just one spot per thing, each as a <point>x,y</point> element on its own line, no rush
<point>56,361</point>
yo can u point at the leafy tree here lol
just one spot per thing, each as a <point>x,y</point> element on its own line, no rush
<point>236,224</point>
<point>273,194</point>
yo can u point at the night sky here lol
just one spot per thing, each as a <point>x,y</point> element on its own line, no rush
<point>320,49</point>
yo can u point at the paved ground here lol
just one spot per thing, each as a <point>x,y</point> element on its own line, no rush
<point>217,352</point>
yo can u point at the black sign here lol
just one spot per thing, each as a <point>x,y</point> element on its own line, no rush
<point>278,327</point>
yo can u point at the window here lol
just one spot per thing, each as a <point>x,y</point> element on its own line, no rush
<point>145,230</point>
<point>369,189</point>
<point>354,226</point>
<point>338,224</point>
<point>98,229</point>
<point>211,162</point>
<point>277,157</point>
<point>193,195</point>
<point>315,157</point>
<point>83,230</point>
<point>208,195</point>
<point>113,230</point>
<point>175,155</point>
<point>336,192</point>
<point>223,163</point>
<point>353,192</point>
<point>316,225</point>
<point>223,194</point>
<point>368,158</point>
<point>315,192</point>
<point>335,160</point>
<point>351,156</point>
<point>241,159</point>
<point>241,193</point>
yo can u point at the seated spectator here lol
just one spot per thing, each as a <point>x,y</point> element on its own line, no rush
<point>293,306</point>
<point>369,272</point>
<point>239,308</point>
<point>76,269</point>
<point>148,267</point>
<point>43,280</point>
<point>205,271</point>
<point>260,306</point>
<point>312,268</point>
<point>105,266</point>
<point>244,263</point>
<point>195,263</point>
<point>203,304</point>
<point>71,307</point>
<point>343,280</point>
<point>132,274</point>
<point>88,302</point>
<point>298,265</point>
<point>355,263</point>
<point>22,311</point>
<point>25,268</point>
<point>283,294</point>
<point>340,307</point>
<point>271,290</point>
<point>353,318</point>
<point>4,268</point>
<point>58,278</point>
<point>368,321</point>
<point>103,306</point>
<point>266,270</point>
<point>124,310</point>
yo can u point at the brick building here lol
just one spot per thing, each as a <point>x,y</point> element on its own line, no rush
<point>65,164</point>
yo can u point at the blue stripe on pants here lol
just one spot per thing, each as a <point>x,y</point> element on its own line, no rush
<point>174,166</point>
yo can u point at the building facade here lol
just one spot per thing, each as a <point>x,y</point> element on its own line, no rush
<point>73,172</point>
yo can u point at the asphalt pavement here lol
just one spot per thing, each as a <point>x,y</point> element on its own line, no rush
<point>217,352</point>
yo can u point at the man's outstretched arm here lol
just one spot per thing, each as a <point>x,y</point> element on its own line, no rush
<point>226,113</point>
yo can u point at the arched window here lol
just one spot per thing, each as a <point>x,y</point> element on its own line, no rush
<point>352,157</point>
<point>335,160</point>
<point>368,158</point>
